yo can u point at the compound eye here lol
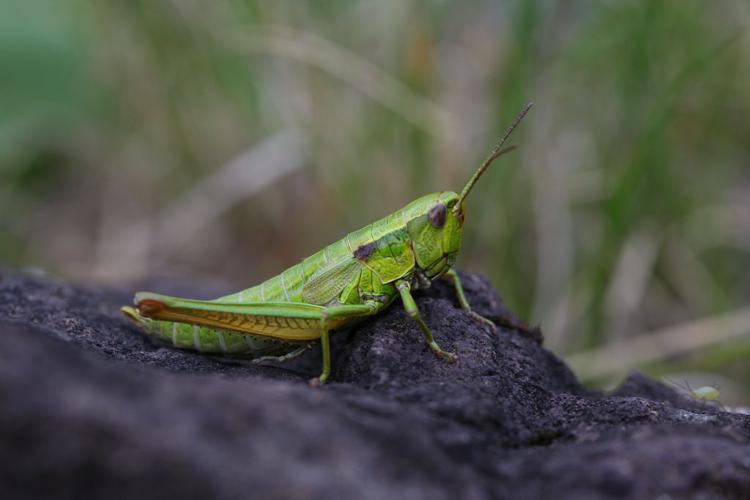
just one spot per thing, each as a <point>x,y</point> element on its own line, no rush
<point>436,216</point>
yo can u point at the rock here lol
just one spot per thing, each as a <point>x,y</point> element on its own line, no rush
<point>90,408</point>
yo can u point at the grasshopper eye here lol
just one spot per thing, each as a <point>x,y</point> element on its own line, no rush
<point>436,216</point>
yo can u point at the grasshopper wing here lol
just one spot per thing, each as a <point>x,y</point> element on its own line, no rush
<point>286,321</point>
<point>331,281</point>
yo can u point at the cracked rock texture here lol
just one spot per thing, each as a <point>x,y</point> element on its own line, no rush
<point>91,409</point>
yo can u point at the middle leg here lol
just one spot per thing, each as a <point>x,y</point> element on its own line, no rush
<point>413,311</point>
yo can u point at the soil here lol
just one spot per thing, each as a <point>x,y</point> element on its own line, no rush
<point>89,408</point>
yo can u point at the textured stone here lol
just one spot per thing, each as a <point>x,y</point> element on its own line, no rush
<point>90,408</point>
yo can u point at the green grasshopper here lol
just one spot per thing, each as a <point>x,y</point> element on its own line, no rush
<point>358,276</point>
<point>705,393</point>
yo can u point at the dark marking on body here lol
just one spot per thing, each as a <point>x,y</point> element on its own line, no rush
<point>147,307</point>
<point>364,251</point>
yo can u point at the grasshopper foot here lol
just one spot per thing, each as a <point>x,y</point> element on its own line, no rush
<point>318,381</point>
<point>446,355</point>
<point>481,319</point>
<point>285,357</point>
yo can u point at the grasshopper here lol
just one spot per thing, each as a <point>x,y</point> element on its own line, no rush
<point>355,277</point>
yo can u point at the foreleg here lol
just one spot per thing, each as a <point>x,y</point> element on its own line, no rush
<point>453,277</point>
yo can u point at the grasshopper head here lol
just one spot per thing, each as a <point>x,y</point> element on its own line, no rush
<point>436,221</point>
<point>435,231</point>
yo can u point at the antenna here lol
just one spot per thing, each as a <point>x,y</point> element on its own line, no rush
<point>497,151</point>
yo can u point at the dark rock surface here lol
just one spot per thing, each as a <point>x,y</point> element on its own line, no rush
<point>89,408</point>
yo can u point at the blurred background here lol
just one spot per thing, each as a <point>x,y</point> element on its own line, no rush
<point>228,140</point>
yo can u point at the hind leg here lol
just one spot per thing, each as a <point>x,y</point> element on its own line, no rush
<point>330,314</point>
<point>284,357</point>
